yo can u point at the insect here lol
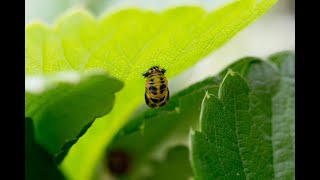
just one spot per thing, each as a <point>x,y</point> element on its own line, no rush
<point>157,91</point>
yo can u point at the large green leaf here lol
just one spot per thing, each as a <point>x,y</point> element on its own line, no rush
<point>62,104</point>
<point>236,137</point>
<point>260,128</point>
<point>126,43</point>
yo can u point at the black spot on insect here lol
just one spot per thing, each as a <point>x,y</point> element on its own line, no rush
<point>146,74</point>
<point>146,99</point>
<point>151,80</point>
<point>154,100</point>
<point>163,86</point>
<point>163,103</point>
<point>162,82</point>
<point>161,78</point>
<point>152,88</point>
<point>161,99</point>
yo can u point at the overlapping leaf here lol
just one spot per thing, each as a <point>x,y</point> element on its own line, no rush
<point>248,135</point>
<point>62,104</point>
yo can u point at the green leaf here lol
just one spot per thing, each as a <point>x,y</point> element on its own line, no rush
<point>283,119</point>
<point>238,138</point>
<point>176,38</point>
<point>126,43</point>
<point>62,104</point>
<point>264,131</point>
<point>38,162</point>
<point>202,159</point>
<point>65,149</point>
<point>283,106</point>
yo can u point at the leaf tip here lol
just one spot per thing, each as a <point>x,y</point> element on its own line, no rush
<point>73,14</point>
<point>36,24</point>
<point>231,72</point>
<point>207,95</point>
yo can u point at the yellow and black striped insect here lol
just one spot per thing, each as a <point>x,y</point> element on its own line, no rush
<point>157,91</point>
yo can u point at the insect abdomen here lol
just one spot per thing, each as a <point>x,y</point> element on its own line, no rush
<point>157,92</point>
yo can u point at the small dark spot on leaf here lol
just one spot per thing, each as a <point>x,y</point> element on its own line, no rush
<point>118,162</point>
